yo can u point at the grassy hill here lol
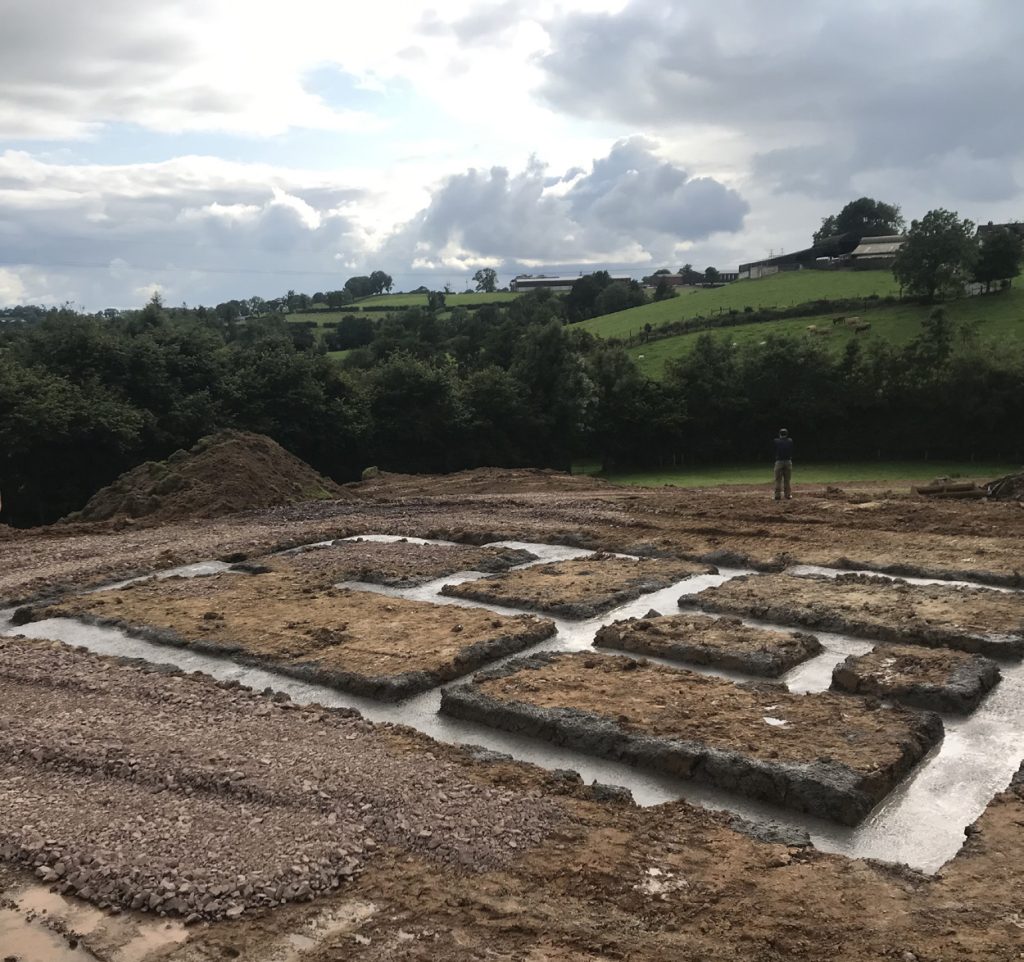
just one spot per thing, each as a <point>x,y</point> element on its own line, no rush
<point>779,290</point>
<point>994,318</point>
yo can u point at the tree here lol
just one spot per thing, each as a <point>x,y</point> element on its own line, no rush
<point>864,217</point>
<point>486,279</point>
<point>711,275</point>
<point>689,275</point>
<point>361,286</point>
<point>380,282</point>
<point>999,256</point>
<point>937,256</point>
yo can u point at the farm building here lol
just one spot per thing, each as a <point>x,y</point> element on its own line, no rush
<point>877,252</point>
<point>826,251</point>
<point>532,282</point>
<point>677,279</point>
<point>1016,228</point>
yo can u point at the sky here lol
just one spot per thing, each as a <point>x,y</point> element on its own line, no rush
<point>218,149</point>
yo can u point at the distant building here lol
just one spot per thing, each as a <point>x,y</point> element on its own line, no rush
<point>533,282</point>
<point>1015,228</point>
<point>677,280</point>
<point>823,253</point>
<point>877,252</point>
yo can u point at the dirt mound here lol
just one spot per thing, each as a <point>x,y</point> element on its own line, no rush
<point>1010,488</point>
<point>224,473</point>
<point>477,481</point>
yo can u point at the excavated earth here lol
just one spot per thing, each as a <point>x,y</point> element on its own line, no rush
<point>702,640</point>
<point>969,619</point>
<point>819,753</point>
<point>352,640</point>
<point>398,564</point>
<point>930,678</point>
<point>602,881</point>
<point>578,589</point>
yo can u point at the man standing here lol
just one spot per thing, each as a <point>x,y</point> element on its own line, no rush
<point>783,464</point>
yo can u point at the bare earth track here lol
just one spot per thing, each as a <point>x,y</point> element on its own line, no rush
<point>110,766</point>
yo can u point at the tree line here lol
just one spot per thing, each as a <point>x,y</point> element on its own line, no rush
<point>84,399</point>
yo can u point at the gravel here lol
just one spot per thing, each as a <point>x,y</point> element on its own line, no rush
<point>135,786</point>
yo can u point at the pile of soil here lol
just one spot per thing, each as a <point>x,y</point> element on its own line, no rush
<point>1010,488</point>
<point>477,481</point>
<point>224,473</point>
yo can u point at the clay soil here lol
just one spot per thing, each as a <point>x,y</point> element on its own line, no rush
<point>358,641</point>
<point>671,702</point>
<point>937,679</point>
<point>895,533</point>
<point>398,564</point>
<point>969,619</point>
<point>665,884</point>
<point>578,589</point>
<point>223,473</point>
<point>701,640</point>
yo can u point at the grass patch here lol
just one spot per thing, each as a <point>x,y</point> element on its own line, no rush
<point>451,300</point>
<point>837,473</point>
<point>995,318</point>
<point>779,290</point>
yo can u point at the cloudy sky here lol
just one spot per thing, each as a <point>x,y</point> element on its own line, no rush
<point>225,148</point>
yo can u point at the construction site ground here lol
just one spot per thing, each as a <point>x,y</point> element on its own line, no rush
<point>578,588</point>
<point>354,640</point>
<point>945,616</point>
<point>156,776</point>
<point>938,679</point>
<point>702,640</point>
<point>820,752</point>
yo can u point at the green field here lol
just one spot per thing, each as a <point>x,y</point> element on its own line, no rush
<point>779,290</point>
<point>995,318</point>
<point>838,473</point>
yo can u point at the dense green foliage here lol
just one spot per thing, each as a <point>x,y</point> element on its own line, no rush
<point>84,398</point>
<point>938,256</point>
<point>864,217</point>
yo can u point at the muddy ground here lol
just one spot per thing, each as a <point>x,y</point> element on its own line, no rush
<point>357,641</point>
<point>820,753</point>
<point>399,564</point>
<point>578,589</point>
<point>935,679</point>
<point>900,534</point>
<point>702,640</point>
<point>969,619</point>
<point>670,883</point>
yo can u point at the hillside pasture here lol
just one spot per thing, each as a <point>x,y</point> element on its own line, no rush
<point>780,290</point>
<point>996,319</point>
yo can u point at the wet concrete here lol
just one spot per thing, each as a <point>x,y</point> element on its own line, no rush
<point>920,823</point>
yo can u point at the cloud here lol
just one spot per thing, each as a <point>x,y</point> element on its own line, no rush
<point>203,227</point>
<point>631,206</point>
<point>823,92</point>
<point>69,69</point>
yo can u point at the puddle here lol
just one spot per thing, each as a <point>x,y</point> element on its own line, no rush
<point>920,823</point>
<point>834,572</point>
<point>37,925</point>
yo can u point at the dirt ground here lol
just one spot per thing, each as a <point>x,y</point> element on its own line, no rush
<point>399,564</point>
<point>578,589</point>
<point>934,678</point>
<point>702,640</point>
<point>608,881</point>
<point>669,883</point>
<point>223,473</point>
<point>672,703</point>
<point>977,541</point>
<point>970,619</point>
<point>358,641</point>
